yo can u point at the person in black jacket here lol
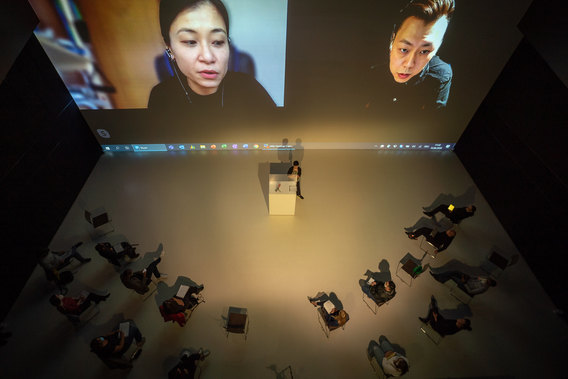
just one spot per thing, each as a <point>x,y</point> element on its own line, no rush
<point>296,172</point>
<point>440,324</point>
<point>441,240</point>
<point>456,215</point>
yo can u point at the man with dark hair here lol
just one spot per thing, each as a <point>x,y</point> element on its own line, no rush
<point>456,215</point>
<point>378,291</point>
<point>139,280</point>
<point>440,324</point>
<point>440,240</point>
<point>419,79</point>
<point>295,172</point>
<point>107,251</point>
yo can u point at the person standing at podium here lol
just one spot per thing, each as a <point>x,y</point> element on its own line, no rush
<point>295,172</point>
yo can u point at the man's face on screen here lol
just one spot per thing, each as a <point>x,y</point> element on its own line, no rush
<point>200,47</point>
<point>415,43</point>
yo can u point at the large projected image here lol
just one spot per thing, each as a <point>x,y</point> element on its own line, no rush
<point>257,71</point>
<point>111,53</point>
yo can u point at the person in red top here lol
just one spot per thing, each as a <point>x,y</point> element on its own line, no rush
<point>76,305</point>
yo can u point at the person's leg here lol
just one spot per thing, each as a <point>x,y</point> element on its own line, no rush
<point>375,351</point>
<point>153,269</point>
<point>385,345</point>
<point>73,253</point>
<point>367,290</point>
<point>97,298</point>
<point>134,333</point>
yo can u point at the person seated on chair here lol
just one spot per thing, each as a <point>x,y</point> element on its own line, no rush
<point>176,304</point>
<point>116,343</point>
<point>392,363</point>
<point>187,366</point>
<point>440,324</point>
<point>76,305</point>
<point>378,291</point>
<point>456,215</point>
<point>139,280</point>
<point>53,261</point>
<point>441,240</point>
<point>472,285</point>
<point>108,252</point>
<point>333,316</point>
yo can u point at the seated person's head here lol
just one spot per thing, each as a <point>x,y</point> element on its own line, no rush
<point>463,323</point>
<point>451,233</point>
<point>55,300</point>
<point>471,208</point>
<point>417,36</point>
<point>97,344</point>
<point>390,286</point>
<point>491,282</point>
<point>296,163</point>
<point>401,365</point>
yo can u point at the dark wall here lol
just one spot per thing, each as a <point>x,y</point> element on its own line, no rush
<point>47,154</point>
<point>515,149</point>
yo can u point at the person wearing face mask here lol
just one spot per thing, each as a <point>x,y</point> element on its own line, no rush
<point>416,78</point>
<point>196,34</point>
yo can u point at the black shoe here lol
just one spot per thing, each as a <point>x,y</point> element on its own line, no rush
<point>428,214</point>
<point>86,260</point>
<point>106,296</point>
<point>77,244</point>
<point>422,319</point>
<point>301,197</point>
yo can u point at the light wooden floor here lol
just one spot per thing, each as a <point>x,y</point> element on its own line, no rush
<point>209,211</point>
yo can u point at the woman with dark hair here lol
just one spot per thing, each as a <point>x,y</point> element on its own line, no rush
<point>196,34</point>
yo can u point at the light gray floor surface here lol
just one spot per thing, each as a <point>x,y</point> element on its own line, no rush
<point>210,212</point>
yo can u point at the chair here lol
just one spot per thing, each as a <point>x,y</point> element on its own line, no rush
<point>495,264</point>
<point>457,292</point>
<point>322,316</point>
<point>125,361</point>
<point>85,316</point>
<point>411,266</point>
<point>376,366</point>
<point>100,221</point>
<point>431,333</point>
<point>370,303</point>
<point>237,321</point>
<point>428,247</point>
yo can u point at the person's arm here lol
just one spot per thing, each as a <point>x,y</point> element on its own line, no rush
<point>120,346</point>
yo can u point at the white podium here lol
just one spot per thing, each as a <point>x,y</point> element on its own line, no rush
<point>281,191</point>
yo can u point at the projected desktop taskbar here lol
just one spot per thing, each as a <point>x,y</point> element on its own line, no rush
<point>153,147</point>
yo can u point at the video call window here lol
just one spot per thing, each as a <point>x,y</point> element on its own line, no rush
<point>111,53</point>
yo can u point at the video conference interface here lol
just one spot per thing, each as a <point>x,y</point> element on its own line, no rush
<point>147,72</point>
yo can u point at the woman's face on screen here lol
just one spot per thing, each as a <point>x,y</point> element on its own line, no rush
<point>199,44</point>
<point>414,44</point>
